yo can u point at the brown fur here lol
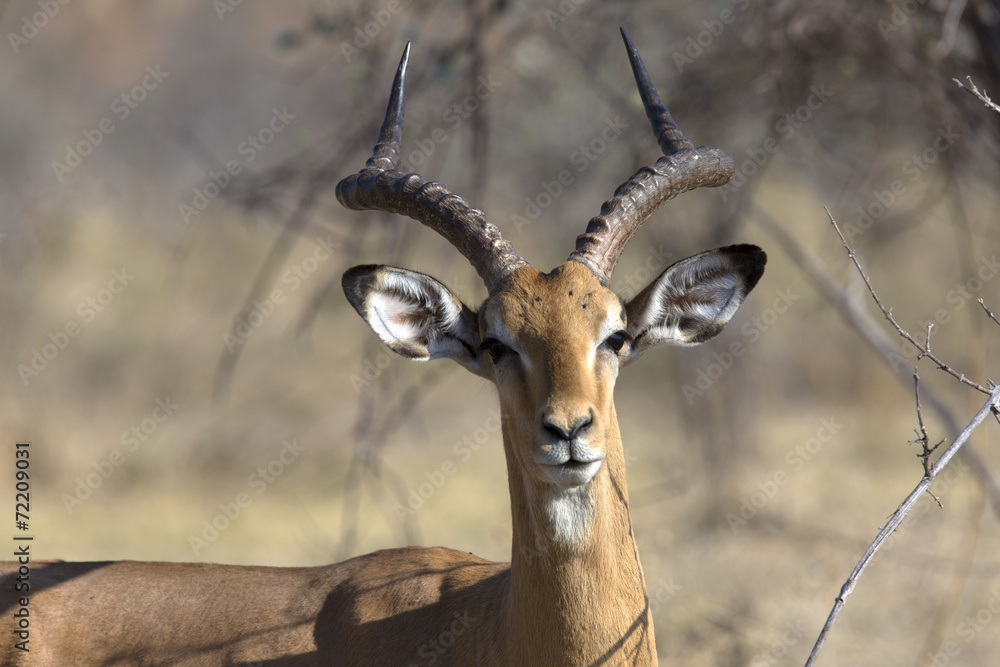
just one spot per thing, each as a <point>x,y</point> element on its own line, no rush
<point>583,603</point>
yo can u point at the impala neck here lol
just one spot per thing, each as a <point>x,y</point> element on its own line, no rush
<point>577,597</point>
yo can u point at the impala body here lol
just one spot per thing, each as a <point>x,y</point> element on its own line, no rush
<point>553,344</point>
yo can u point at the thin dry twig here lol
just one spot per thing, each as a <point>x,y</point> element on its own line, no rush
<point>887,312</point>
<point>873,334</point>
<point>991,405</point>
<point>983,97</point>
<point>989,313</point>
<point>931,471</point>
<point>923,439</point>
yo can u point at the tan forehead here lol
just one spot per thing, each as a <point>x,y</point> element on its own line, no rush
<point>568,296</point>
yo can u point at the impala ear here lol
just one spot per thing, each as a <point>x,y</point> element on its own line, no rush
<point>414,314</point>
<point>694,299</point>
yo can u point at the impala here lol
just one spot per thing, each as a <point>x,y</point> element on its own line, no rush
<point>552,343</point>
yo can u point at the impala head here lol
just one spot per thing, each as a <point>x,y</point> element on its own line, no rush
<point>553,343</point>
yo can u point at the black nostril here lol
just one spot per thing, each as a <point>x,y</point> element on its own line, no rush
<point>557,431</point>
<point>572,431</point>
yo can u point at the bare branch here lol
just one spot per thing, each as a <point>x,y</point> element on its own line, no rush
<point>924,439</point>
<point>991,405</point>
<point>924,351</point>
<point>983,97</point>
<point>877,339</point>
<point>988,312</point>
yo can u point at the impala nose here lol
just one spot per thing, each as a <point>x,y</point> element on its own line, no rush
<point>566,429</point>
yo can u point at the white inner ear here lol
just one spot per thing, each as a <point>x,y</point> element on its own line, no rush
<point>394,317</point>
<point>405,308</point>
<point>694,295</point>
<point>699,291</point>
<point>704,289</point>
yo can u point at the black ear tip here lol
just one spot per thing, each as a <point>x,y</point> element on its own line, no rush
<point>353,274</point>
<point>756,255</point>
<point>757,261</point>
<point>354,281</point>
<point>749,260</point>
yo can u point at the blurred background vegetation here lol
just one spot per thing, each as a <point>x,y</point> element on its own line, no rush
<point>174,334</point>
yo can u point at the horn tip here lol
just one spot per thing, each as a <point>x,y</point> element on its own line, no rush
<point>405,59</point>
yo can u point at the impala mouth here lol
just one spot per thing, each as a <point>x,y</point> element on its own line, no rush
<point>569,463</point>
<point>572,473</point>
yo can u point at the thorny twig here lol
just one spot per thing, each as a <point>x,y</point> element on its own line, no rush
<point>983,97</point>
<point>991,405</point>
<point>989,313</point>
<point>923,438</point>
<point>887,312</point>
<point>874,335</point>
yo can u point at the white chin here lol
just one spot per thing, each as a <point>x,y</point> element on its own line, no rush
<point>570,511</point>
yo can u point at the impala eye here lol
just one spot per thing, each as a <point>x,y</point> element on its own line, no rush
<point>494,348</point>
<point>616,341</point>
